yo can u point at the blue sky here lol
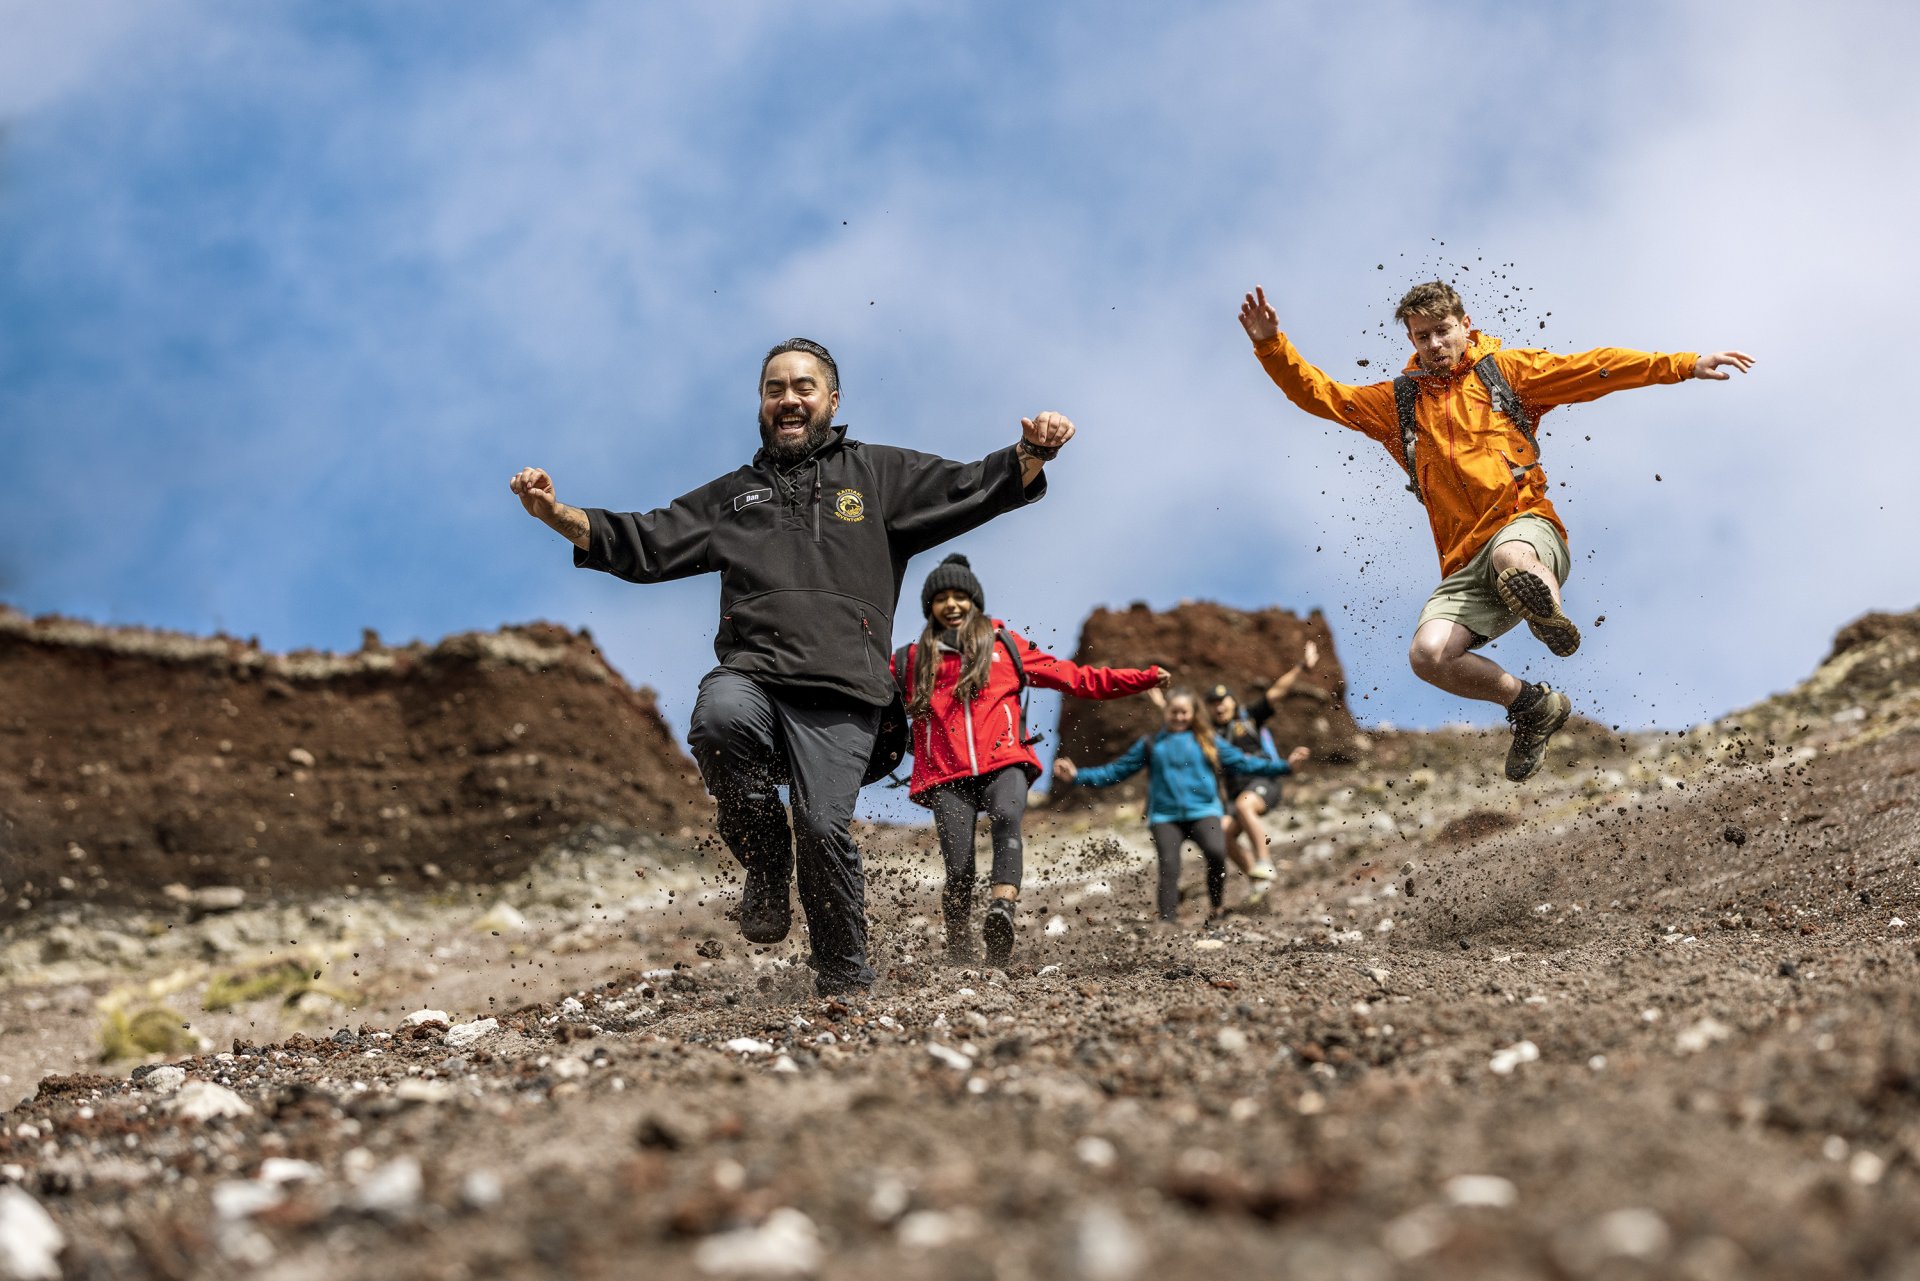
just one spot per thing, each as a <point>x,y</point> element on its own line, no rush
<point>288,290</point>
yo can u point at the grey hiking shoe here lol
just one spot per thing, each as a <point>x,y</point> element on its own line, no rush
<point>997,931</point>
<point>765,913</point>
<point>1527,594</point>
<point>1531,730</point>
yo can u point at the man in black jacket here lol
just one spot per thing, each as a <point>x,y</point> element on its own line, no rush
<point>810,540</point>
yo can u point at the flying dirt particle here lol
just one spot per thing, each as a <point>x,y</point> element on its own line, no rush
<point>1362,363</point>
<point>1599,620</point>
<point>1656,475</point>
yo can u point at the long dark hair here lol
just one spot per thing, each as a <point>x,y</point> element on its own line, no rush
<point>976,661</point>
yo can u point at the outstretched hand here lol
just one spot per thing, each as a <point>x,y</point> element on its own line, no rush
<point>1162,679</point>
<point>1298,756</point>
<point>535,488</point>
<point>1714,366</point>
<point>1065,770</point>
<point>1257,316</point>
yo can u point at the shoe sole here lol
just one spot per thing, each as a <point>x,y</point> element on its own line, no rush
<point>997,933</point>
<point>764,934</point>
<point>1527,595</point>
<point>1546,736</point>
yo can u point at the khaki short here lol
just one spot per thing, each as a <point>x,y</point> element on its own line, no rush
<point>1467,597</point>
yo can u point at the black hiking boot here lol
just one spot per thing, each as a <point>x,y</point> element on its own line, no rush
<point>1527,594</point>
<point>1534,721</point>
<point>997,931</point>
<point>765,913</point>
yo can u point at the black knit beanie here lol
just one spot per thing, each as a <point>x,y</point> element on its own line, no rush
<point>951,575</point>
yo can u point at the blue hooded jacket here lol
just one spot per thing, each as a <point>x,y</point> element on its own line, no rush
<point>1181,786</point>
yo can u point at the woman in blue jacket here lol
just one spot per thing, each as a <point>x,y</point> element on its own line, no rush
<point>1183,761</point>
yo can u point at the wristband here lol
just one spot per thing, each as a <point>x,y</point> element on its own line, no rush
<point>1041,453</point>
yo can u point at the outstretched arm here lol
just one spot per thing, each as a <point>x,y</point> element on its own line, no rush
<point>1545,379</point>
<point>1368,409</point>
<point>1048,672</point>
<point>1284,685</point>
<point>931,499</point>
<point>1118,770</point>
<point>535,489</point>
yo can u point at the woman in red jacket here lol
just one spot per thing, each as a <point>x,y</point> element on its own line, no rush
<point>971,753</point>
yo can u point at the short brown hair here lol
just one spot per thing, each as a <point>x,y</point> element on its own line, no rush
<point>1435,300</point>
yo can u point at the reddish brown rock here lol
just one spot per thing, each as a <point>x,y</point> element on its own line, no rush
<point>131,759</point>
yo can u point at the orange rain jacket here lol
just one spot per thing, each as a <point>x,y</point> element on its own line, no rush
<point>1465,449</point>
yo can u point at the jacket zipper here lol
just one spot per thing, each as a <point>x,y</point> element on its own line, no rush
<point>973,761</point>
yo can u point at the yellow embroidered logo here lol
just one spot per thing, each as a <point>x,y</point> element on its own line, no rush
<point>850,505</point>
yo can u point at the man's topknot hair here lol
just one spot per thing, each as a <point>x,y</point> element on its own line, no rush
<point>811,348</point>
<point>1435,300</point>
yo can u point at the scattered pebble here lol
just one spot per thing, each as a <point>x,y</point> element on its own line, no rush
<point>502,918</point>
<point>419,1018</point>
<point>462,1035</point>
<point>786,1245</point>
<point>749,1045</point>
<point>949,1057</point>
<point>164,1079</point>
<point>1096,1153</point>
<point>1484,1190</point>
<point>1505,1061</point>
<point>1708,1031</point>
<point>1106,1247</point>
<point>203,1101</point>
<point>30,1241</point>
<point>392,1191</point>
<point>1055,927</point>
<point>481,1190</point>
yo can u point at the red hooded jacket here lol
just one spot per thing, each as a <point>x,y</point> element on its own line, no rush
<point>961,738</point>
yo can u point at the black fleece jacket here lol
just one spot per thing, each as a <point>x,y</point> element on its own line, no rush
<point>810,555</point>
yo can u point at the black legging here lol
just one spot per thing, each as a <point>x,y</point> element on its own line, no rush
<point>1204,832</point>
<point>956,808</point>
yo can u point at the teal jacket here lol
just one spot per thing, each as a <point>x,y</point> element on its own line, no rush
<point>1181,786</point>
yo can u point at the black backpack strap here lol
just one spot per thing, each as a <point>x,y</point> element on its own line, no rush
<point>1502,393</point>
<point>1020,677</point>
<point>1406,394</point>
<point>900,657</point>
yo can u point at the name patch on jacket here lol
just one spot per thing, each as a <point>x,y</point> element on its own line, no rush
<point>850,505</point>
<point>751,497</point>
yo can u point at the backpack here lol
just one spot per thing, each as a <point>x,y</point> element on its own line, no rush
<point>1000,636</point>
<point>1406,394</point>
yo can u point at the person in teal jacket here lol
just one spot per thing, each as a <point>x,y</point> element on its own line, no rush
<point>1183,761</point>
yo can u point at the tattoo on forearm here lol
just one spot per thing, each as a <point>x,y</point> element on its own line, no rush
<point>571,523</point>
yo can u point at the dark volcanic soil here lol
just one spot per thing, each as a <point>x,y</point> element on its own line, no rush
<point>132,759</point>
<point>1659,1018</point>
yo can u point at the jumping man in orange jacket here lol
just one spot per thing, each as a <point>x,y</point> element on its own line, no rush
<point>1461,420</point>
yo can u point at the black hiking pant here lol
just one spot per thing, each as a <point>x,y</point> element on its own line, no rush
<point>1167,839</point>
<point>957,806</point>
<point>749,738</point>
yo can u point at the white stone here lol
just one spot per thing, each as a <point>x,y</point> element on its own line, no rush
<point>302,757</point>
<point>481,1190</point>
<point>164,1079</point>
<point>393,1190</point>
<point>1055,927</point>
<point>1633,1233</point>
<point>1096,1153</point>
<point>1708,1031</point>
<point>1208,945</point>
<point>30,1241</point>
<point>572,1008</point>
<point>1505,1061</point>
<point>931,1230</point>
<point>280,1169</point>
<point>1106,1247</point>
<point>888,1200</point>
<point>784,1063</point>
<point>203,1100</point>
<point>1231,1040</point>
<point>1045,970</point>
<point>1487,1190</point>
<point>786,1245</point>
<point>949,1057</point>
<point>748,1045</point>
<point>462,1035</point>
<point>1416,1233</point>
<point>1896,924</point>
<point>503,918</point>
<point>570,1068</point>
<point>421,1017</point>
<point>416,1090</point>
<point>244,1198</point>
<point>1866,1168</point>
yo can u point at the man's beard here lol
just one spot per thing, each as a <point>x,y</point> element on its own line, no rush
<point>818,429</point>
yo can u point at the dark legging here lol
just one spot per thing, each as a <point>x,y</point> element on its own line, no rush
<point>956,808</point>
<point>1204,832</point>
